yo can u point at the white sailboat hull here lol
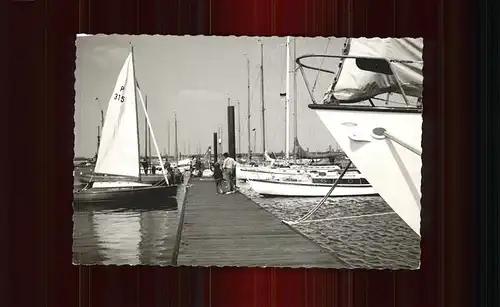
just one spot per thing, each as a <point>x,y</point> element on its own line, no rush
<point>305,189</point>
<point>119,184</point>
<point>250,173</point>
<point>393,170</point>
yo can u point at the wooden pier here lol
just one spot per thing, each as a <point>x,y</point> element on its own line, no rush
<point>232,230</point>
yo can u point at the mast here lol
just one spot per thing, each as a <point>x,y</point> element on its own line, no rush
<point>136,111</point>
<point>227,121</point>
<point>150,155</point>
<point>295,97</point>
<point>254,140</point>
<point>176,148</point>
<point>99,128</point>
<point>287,100</point>
<point>262,97</point>
<point>219,141</point>
<point>168,138</point>
<point>152,136</point>
<point>98,138</point>
<point>248,111</point>
<point>239,130</point>
<point>146,155</point>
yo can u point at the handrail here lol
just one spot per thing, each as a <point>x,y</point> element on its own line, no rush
<point>389,62</point>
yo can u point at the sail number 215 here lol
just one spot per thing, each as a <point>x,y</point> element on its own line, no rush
<point>119,97</point>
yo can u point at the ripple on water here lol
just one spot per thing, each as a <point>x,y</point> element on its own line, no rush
<point>124,236</point>
<point>376,242</point>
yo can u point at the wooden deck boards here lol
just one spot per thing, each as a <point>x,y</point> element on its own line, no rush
<point>232,230</point>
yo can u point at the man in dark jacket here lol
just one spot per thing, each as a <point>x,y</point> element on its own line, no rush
<point>218,176</point>
<point>145,165</point>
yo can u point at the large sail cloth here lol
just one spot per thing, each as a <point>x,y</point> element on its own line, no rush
<point>354,84</point>
<point>118,151</point>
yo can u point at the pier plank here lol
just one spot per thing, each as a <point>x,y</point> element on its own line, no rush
<point>232,230</point>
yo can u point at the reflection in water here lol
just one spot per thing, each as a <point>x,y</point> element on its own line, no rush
<point>119,233</point>
<point>85,240</point>
<point>129,236</point>
<point>153,244</point>
<point>123,237</point>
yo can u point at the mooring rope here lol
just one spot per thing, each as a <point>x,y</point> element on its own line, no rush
<point>380,133</point>
<point>346,217</point>
<point>323,200</point>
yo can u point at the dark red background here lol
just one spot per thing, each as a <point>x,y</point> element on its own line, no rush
<point>36,258</point>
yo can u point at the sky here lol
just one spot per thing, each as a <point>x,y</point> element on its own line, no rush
<point>193,76</point>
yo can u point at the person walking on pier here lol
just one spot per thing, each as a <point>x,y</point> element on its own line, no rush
<point>229,168</point>
<point>145,166</point>
<point>170,173</point>
<point>218,178</point>
<point>178,176</point>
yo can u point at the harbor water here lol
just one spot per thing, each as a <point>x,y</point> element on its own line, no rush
<point>125,236</point>
<point>365,233</point>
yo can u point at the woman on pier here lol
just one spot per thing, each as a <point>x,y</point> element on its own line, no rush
<point>218,178</point>
<point>178,177</point>
<point>170,173</point>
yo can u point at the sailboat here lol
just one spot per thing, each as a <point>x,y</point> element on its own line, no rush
<point>145,178</point>
<point>382,137</point>
<point>313,184</point>
<point>268,167</point>
<point>118,153</point>
<point>91,176</point>
<point>305,181</point>
<point>245,172</point>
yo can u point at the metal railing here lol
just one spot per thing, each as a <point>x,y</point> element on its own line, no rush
<point>374,64</point>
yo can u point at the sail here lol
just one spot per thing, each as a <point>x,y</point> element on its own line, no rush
<point>353,84</point>
<point>118,151</point>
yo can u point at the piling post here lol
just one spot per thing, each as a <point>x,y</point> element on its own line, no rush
<point>231,138</point>
<point>215,147</point>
